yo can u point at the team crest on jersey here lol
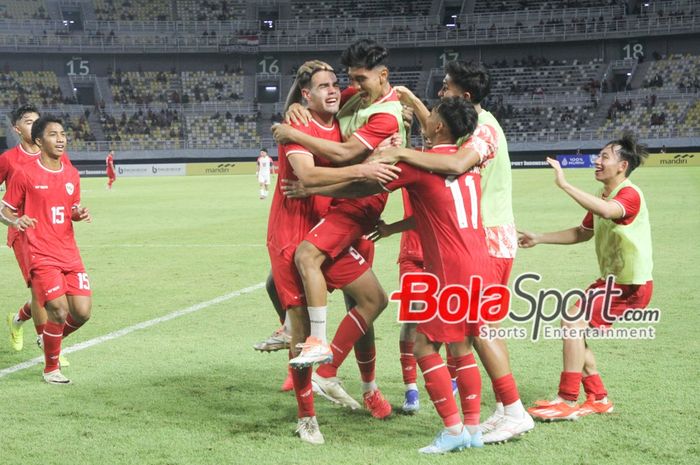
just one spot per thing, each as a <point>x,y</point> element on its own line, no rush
<point>70,188</point>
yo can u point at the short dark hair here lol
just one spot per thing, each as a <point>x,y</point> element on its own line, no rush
<point>459,116</point>
<point>21,111</point>
<point>263,149</point>
<point>630,150</point>
<point>364,53</point>
<point>39,126</point>
<point>470,77</point>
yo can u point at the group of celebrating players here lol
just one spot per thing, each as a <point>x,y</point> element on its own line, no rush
<point>339,157</point>
<point>342,154</point>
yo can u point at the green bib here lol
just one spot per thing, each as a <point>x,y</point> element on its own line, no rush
<point>355,114</point>
<point>624,251</point>
<point>496,180</point>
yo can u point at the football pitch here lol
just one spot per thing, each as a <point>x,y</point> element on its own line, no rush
<point>187,388</point>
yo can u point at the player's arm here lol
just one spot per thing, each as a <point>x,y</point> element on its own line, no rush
<point>350,151</point>
<point>527,239</point>
<point>9,218</point>
<point>315,176</point>
<point>79,213</point>
<point>14,199</point>
<point>462,161</point>
<point>345,190</point>
<point>608,209</point>
<point>385,230</point>
<point>409,99</point>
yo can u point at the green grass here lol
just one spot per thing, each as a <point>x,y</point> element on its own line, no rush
<point>192,391</point>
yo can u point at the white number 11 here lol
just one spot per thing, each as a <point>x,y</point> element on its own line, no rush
<point>453,184</point>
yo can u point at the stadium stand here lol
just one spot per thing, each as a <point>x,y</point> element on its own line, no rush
<point>222,130</point>
<point>205,86</point>
<point>484,6</point>
<point>36,87</point>
<point>130,10</point>
<point>213,10</point>
<point>25,9</point>
<point>145,87</point>
<point>546,78</point>
<point>675,73</point>
<point>326,9</point>
<point>146,128</point>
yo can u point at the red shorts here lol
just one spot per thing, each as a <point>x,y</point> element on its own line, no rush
<point>340,272</point>
<point>500,269</point>
<point>111,174</point>
<point>19,247</point>
<point>51,282</point>
<point>410,265</point>
<point>337,231</point>
<point>290,288</point>
<point>633,296</point>
<point>437,330</point>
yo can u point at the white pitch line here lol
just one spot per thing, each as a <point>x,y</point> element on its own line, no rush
<point>130,329</point>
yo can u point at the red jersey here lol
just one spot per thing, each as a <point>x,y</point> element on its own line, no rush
<point>447,214</point>
<point>11,161</point>
<point>109,161</point>
<point>49,197</point>
<point>410,248</point>
<point>291,219</point>
<point>379,126</point>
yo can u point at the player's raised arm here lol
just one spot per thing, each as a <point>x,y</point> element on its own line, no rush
<point>409,99</point>
<point>527,239</point>
<point>608,209</point>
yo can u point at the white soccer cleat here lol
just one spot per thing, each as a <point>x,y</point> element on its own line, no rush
<point>331,389</point>
<point>313,351</point>
<point>308,431</point>
<point>491,422</point>
<point>278,340</point>
<point>56,377</point>
<point>509,427</point>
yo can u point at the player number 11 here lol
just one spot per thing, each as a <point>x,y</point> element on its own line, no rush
<point>453,184</point>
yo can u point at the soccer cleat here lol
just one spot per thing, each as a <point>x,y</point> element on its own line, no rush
<point>16,333</point>
<point>56,377</point>
<point>278,340</point>
<point>592,406</point>
<point>411,403</point>
<point>554,411</point>
<point>445,442</point>
<point>331,389</point>
<point>507,428</point>
<point>377,405</point>
<point>490,423</point>
<point>308,431</point>
<point>476,440</point>
<point>288,384</point>
<point>313,351</point>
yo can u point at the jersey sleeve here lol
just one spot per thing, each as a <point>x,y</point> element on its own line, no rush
<point>587,222</point>
<point>76,193</point>
<point>346,94</point>
<point>290,149</point>
<point>409,175</point>
<point>484,142</point>
<point>379,126</point>
<point>628,198</point>
<point>4,168</point>
<point>16,191</point>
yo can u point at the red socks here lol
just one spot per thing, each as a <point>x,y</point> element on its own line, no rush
<point>25,312</point>
<point>451,363</point>
<point>366,362</point>
<point>53,334</point>
<point>439,387</point>
<point>593,385</point>
<point>569,385</point>
<point>469,385</point>
<point>352,328</point>
<point>71,326</point>
<point>505,389</point>
<point>408,362</point>
<point>303,392</point>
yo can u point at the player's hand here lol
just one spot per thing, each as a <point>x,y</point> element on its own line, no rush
<point>387,155</point>
<point>294,189</point>
<point>283,133</point>
<point>24,222</point>
<point>379,172</point>
<point>405,95</point>
<point>82,214</point>
<point>527,239</point>
<point>297,114</point>
<point>559,177</point>
<point>380,230</point>
<point>407,117</point>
